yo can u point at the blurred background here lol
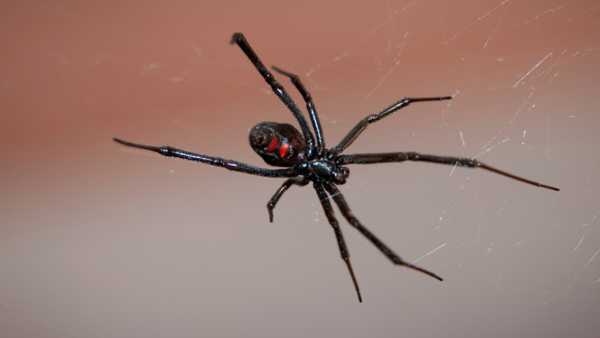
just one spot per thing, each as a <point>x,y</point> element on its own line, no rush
<point>98,240</point>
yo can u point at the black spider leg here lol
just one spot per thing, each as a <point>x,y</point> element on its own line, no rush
<point>362,125</point>
<point>391,255</point>
<point>216,161</point>
<point>310,106</point>
<point>301,181</point>
<point>240,40</point>
<point>413,156</point>
<point>338,234</point>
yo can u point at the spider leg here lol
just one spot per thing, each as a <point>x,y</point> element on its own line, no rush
<point>391,255</point>
<point>338,234</point>
<point>301,181</point>
<point>310,106</point>
<point>240,40</point>
<point>215,161</point>
<point>413,156</point>
<point>362,125</point>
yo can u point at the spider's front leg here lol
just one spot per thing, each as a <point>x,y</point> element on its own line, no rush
<point>345,254</point>
<point>391,255</point>
<point>418,157</point>
<point>301,181</point>
<point>364,123</point>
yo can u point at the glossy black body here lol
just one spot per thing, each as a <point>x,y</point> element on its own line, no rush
<point>263,134</point>
<point>306,159</point>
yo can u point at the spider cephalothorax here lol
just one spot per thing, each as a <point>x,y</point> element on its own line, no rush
<point>282,145</point>
<point>306,159</point>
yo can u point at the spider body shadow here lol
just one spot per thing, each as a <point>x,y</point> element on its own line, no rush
<point>304,158</point>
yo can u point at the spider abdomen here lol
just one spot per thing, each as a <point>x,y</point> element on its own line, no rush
<point>279,144</point>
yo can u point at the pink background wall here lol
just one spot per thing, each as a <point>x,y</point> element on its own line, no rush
<point>97,240</point>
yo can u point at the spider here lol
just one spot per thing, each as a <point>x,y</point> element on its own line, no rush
<point>305,158</point>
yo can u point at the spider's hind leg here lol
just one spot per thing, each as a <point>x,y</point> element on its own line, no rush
<point>240,40</point>
<point>310,106</point>
<point>210,160</point>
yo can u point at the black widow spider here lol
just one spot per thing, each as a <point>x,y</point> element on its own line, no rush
<point>306,159</point>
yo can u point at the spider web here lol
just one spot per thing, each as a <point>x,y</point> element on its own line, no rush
<point>507,111</point>
<point>116,242</point>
